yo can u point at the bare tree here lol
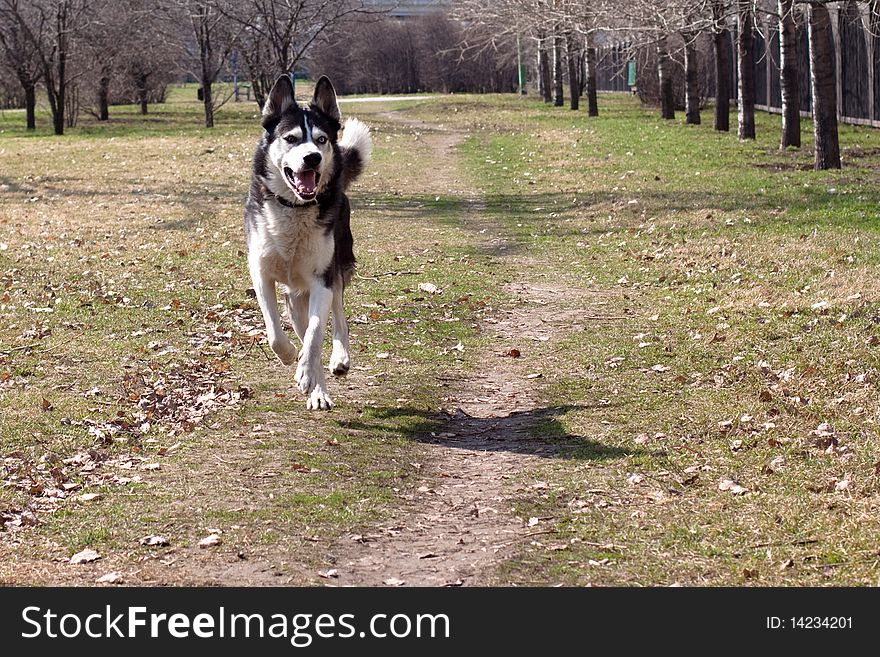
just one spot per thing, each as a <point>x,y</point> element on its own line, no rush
<point>276,34</point>
<point>573,57</point>
<point>664,70</point>
<point>745,17</point>
<point>151,58</point>
<point>692,80</point>
<point>670,29</point>
<point>52,28</point>
<point>544,69</point>
<point>824,87</point>
<point>591,83</point>
<point>558,96</point>
<point>215,38</point>
<point>789,75</point>
<point>721,45</point>
<point>105,43</point>
<point>18,48</point>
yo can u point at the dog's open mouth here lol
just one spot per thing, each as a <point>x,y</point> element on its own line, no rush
<point>304,183</point>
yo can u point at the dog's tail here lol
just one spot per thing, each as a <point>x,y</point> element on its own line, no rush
<point>356,146</point>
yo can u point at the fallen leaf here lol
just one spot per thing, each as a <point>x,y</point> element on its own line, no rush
<point>430,288</point>
<point>88,497</point>
<point>533,521</point>
<point>110,578</point>
<point>660,368</point>
<point>210,541</point>
<point>774,465</point>
<point>154,541</point>
<point>328,574</point>
<point>750,573</point>
<point>86,556</point>
<point>393,581</point>
<point>428,555</point>
<point>785,565</point>
<point>732,486</point>
<point>165,451</point>
<point>824,436</point>
<point>513,353</point>
<point>46,405</point>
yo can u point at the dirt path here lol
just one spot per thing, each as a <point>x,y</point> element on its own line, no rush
<point>458,524</point>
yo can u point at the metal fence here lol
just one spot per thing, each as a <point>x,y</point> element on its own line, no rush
<point>857,70</point>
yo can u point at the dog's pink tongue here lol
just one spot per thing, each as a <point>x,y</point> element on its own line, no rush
<point>305,180</point>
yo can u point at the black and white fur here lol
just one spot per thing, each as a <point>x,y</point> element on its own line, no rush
<point>297,226</point>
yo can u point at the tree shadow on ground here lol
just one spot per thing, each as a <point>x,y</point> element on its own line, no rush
<point>521,212</point>
<point>539,432</point>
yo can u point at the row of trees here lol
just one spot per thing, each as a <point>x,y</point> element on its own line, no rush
<point>423,53</point>
<point>107,48</point>
<point>565,31</point>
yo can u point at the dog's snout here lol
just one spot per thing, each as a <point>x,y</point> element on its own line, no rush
<point>312,160</point>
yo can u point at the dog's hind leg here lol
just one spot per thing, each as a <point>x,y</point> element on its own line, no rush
<point>298,312</point>
<point>340,361</point>
<point>264,286</point>
<point>309,373</point>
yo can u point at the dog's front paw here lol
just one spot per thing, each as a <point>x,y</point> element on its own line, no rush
<point>306,376</point>
<point>340,362</point>
<point>319,400</point>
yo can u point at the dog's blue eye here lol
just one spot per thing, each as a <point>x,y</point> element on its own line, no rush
<point>321,140</point>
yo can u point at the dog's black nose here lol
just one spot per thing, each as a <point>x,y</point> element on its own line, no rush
<point>312,160</point>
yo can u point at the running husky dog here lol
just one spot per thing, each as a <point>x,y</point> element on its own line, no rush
<point>296,221</point>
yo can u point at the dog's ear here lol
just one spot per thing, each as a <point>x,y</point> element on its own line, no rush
<point>325,98</point>
<point>279,101</point>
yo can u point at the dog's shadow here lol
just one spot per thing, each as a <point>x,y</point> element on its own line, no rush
<point>539,432</point>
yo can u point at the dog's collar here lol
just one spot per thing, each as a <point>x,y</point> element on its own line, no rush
<point>288,204</point>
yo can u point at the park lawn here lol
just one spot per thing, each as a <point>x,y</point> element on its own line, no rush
<point>133,363</point>
<point>730,347</point>
<point>715,397</point>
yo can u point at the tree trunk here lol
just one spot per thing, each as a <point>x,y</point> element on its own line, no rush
<point>544,66</point>
<point>142,92</point>
<point>692,81</point>
<point>558,96</point>
<point>789,76</point>
<point>55,90</point>
<point>542,82</point>
<point>824,84</point>
<point>104,98</point>
<point>664,70</point>
<point>30,106</point>
<point>592,100</point>
<point>58,119</point>
<point>209,103</point>
<point>721,42</point>
<point>574,88</point>
<point>746,56</point>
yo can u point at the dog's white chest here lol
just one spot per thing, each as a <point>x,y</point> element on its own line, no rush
<point>293,246</point>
